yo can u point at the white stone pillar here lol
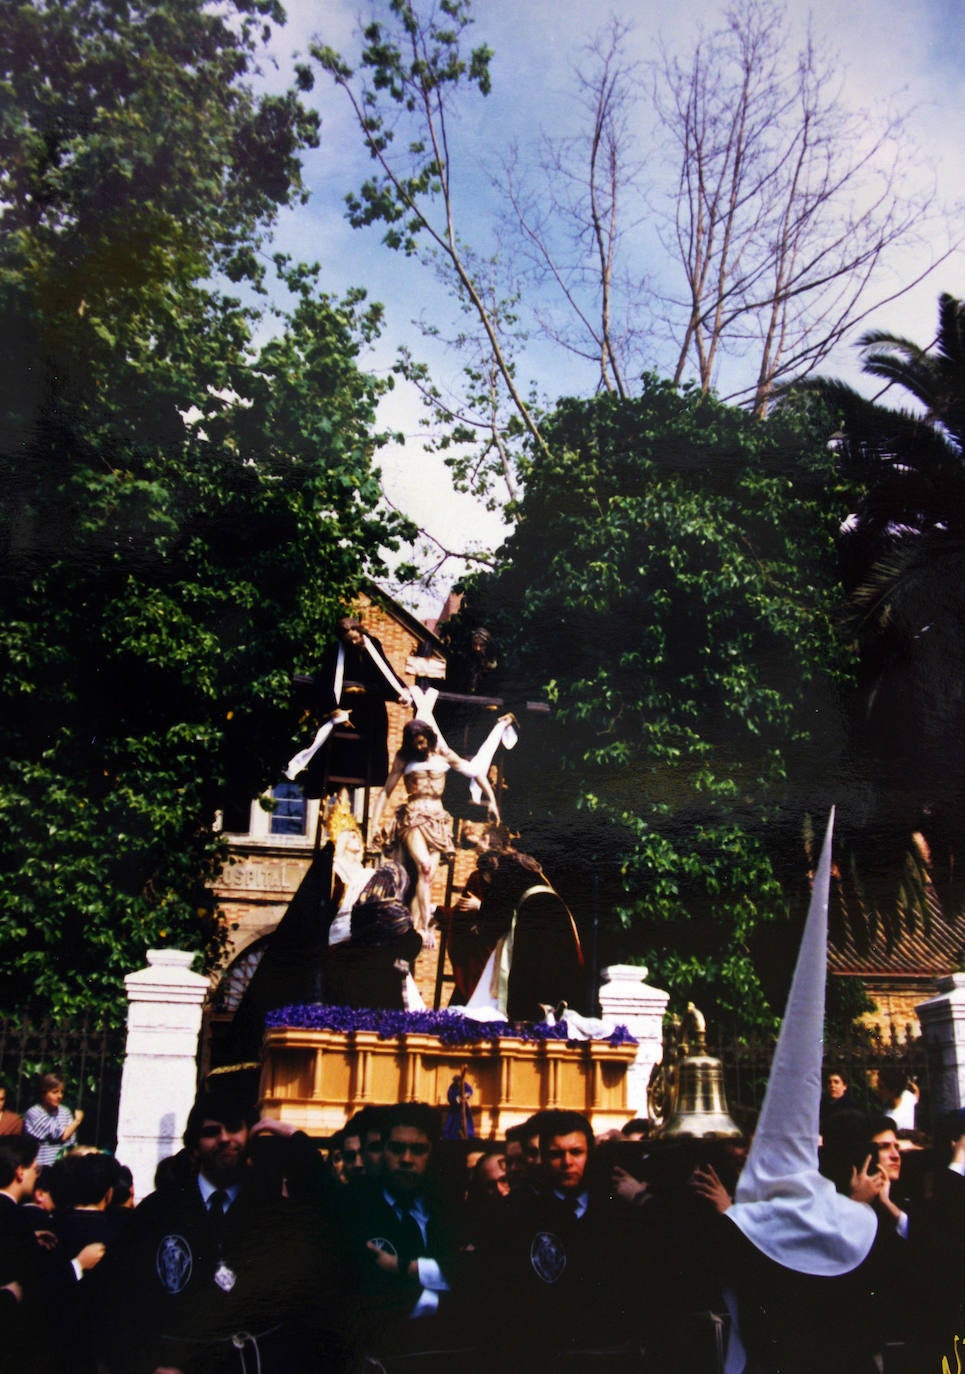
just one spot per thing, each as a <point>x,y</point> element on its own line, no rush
<point>160,1076</point>
<point>626,999</point>
<point>943,1027</point>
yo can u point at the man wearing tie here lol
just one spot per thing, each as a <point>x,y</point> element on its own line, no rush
<point>554,1263</point>
<point>397,1242</point>
<point>216,1266</point>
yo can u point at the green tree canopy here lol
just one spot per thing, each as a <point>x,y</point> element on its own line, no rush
<point>182,508</point>
<point>670,588</point>
<point>903,563</point>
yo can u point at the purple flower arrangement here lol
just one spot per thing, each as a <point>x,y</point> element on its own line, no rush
<point>447,1027</point>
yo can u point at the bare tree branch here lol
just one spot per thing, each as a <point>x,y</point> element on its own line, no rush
<point>785,205</point>
<point>410,94</point>
<point>571,230</point>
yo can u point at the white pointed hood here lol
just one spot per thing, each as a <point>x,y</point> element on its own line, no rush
<point>788,1210</point>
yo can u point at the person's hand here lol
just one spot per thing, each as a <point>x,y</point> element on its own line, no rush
<point>467,902</point>
<point>78,1117</point>
<point>865,1186</point>
<point>706,1184</point>
<point>14,1287</point>
<point>266,1125</point>
<point>493,813</point>
<point>90,1256</point>
<point>884,1200</point>
<point>47,1239</point>
<point>384,1260</point>
<point>627,1189</point>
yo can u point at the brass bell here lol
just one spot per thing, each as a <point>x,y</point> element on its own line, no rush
<point>698,1106</point>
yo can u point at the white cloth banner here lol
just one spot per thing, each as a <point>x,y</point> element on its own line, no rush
<point>503,733</point>
<point>425,703</point>
<point>304,758</point>
<point>398,687</point>
<point>340,717</point>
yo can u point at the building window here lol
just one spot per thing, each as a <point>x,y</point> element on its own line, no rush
<point>290,814</point>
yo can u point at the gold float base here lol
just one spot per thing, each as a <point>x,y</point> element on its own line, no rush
<point>315,1080</point>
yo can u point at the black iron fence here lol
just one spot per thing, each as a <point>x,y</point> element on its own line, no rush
<point>88,1059</point>
<point>746,1063</point>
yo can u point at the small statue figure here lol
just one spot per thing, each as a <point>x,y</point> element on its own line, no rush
<point>372,968</point>
<point>349,874</point>
<point>354,676</point>
<point>421,828</point>
<point>459,1124</point>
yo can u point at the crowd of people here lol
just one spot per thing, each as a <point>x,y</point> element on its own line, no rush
<point>388,1248</point>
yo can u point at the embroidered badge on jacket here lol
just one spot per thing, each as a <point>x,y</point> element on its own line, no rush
<point>174,1263</point>
<point>547,1255</point>
<point>381,1243</point>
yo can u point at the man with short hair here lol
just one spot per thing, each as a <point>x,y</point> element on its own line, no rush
<point>396,1241</point>
<point>353,1163</point>
<point>837,1102</point>
<point>530,1137</point>
<point>35,1281</point>
<point>516,1171</point>
<point>214,1272</point>
<point>552,1265</point>
<point>875,1180</point>
<point>489,1176</point>
<point>367,1127</point>
<point>82,1186</point>
<point>565,1143</point>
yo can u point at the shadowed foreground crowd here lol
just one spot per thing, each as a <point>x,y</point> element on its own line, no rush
<point>259,1254</point>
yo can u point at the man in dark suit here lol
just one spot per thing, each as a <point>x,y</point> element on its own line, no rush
<point>398,1242</point>
<point>937,1236</point>
<point>82,1187</point>
<point>554,1266</point>
<point>219,1268</point>
<point>35,1283</point>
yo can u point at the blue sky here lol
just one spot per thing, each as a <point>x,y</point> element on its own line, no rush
<point>889,55</point>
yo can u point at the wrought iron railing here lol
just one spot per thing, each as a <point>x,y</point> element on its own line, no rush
<point>747,1060</point>
<point>87,1057</point>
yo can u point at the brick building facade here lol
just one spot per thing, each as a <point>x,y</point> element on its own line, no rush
<point>270,857</point>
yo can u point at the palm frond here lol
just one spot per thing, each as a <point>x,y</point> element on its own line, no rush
<point>875,337</point>
<point>902,555</point>
<point>899,590</point>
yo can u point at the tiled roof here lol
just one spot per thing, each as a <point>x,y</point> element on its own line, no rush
<point>912,954</point>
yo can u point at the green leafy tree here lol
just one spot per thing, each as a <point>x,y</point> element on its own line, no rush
<point>903,564</point>
<point>414,62</point>
<point>670,588</point>
<point>180,509</point>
